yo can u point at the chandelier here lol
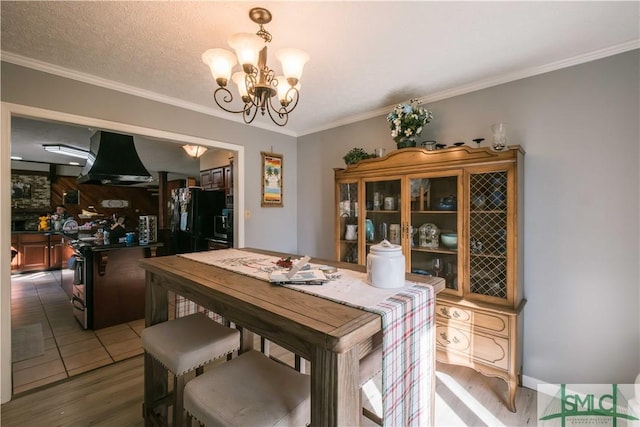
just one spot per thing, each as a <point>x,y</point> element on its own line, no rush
<point>194,151</point>
<point>257,83</point>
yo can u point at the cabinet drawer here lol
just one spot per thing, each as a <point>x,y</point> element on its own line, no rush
<point>491,322</point>
<point>463,343</point>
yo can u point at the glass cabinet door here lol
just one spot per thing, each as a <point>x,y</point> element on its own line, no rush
<point>435,224</point>
<point>488,234</point>
<point>383,213</point>
<point>347,248</point>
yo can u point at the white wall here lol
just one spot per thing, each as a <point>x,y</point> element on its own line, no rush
<point>579,127</point>
<point>215,159</point>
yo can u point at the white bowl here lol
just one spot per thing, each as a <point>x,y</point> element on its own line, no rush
<point>449,240</point>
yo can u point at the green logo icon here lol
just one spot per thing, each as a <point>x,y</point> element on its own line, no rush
<point>585,404</point>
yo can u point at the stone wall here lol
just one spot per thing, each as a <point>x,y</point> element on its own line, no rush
<point>29,191</point>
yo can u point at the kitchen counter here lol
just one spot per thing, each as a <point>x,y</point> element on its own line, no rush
<point>96,247</point>
<point>113,288</point>
<point>45,233</point>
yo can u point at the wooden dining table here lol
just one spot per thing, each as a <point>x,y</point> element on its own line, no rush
<point>332,336</point>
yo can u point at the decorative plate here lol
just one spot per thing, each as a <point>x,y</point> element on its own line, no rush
<point>417,183</point>
<point>70,226</point>
<point>115,203</point>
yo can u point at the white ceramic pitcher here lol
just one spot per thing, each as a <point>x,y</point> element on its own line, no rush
<point>352,232</point>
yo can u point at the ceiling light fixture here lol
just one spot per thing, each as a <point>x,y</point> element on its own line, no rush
<point>66,150</point>
<point>16,158</point>
<point>194,151</point>
<point>257,83</point>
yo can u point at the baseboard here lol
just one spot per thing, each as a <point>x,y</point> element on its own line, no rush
<point>532,383</point>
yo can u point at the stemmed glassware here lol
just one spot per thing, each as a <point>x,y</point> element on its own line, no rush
<point>437,266</point>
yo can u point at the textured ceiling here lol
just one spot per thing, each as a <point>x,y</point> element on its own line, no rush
<point>365,56</point>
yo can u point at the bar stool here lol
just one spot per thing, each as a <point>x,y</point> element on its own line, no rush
<point>183,345</point>
<point>250,390</point>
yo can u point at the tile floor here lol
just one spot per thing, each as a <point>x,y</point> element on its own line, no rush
<point>68,349</point>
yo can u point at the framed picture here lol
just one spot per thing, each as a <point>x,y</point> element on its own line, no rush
<point>71,197</point>
<point>20,190</point>
<point>271,180</point>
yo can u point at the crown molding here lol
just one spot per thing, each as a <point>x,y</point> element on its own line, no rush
<point>46,67</point>
<point>437,96</point>
<point>490,82</point>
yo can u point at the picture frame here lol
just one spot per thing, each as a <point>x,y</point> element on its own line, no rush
<point>71,197</point>
<point>20,189</point>
<point>272,180</point>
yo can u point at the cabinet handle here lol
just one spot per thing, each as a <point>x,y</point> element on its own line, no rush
<point>445,338</point>
<point>445,312</point>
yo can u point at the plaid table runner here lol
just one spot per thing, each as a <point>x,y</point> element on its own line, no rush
<point>407,326</point>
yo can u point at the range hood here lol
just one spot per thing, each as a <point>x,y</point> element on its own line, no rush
<point>113,160</point>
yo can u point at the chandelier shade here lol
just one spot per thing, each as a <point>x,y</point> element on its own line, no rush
<point>293,61</point>
<point>257,84</point>
<point>247,47</point>
<point>194,151</point>
<point>221,63</point>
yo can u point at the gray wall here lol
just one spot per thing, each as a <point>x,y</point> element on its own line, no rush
<point>579,127</point>
<point>268,228</point>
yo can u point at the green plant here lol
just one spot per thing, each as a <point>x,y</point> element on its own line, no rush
<point>355,155</point>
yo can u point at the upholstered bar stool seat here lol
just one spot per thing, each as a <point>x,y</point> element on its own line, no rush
<point>250,390</point>
<point>186,344</point>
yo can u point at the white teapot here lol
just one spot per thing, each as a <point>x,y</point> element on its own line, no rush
<point>385,266</point>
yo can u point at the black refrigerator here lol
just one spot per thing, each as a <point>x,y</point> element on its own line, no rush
<point>192,220</point>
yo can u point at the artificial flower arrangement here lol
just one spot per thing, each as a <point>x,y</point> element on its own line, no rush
<point>407,121</point>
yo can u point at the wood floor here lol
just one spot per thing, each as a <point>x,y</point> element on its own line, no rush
<point>112,396</point>
<point>65,349</point>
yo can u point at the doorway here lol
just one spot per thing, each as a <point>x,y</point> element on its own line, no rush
<point>15,110</point>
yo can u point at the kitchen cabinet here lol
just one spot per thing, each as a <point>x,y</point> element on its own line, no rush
<point>14,246</point>
<point>39,251</point>
<point>212,179</point>
<point>457,214</point>
<point>56,255</point>
<point>33,250</point>
<point>219,178</point>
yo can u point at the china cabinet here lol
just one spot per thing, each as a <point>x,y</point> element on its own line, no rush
<point>457,213</point>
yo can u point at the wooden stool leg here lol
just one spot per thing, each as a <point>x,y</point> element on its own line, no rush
<point>299,364</point>
<point>264,346</point>
<point>178,408</point>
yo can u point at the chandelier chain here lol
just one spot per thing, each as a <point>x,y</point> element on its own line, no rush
<point>266,35</point>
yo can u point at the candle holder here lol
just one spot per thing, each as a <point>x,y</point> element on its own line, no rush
<point>499,136</point>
